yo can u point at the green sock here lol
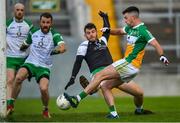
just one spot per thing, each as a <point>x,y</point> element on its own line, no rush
<point>113,111</point>
<point>10,101</point>
<point>112,108</point>
<point>82,95</point>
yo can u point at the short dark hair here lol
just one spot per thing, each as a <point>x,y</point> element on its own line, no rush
<point>131,9</point>
<point>46,15</point>
<point>89,26</point>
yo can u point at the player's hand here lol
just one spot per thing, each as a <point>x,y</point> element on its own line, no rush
<point>105,29</point>
<point>102,14</point>
<point>24,47</point>
<point>55,52</point>
<point>71,82</point>
<point>164,60</point>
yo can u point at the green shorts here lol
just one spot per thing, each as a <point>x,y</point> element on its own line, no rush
<point>36,71</point>
<point>14,63</point>
<point>96,71</point>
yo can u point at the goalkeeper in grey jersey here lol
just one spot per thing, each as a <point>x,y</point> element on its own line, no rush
<point>43,42</point>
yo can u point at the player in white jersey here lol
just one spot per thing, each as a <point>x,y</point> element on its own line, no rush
<point>43,42</point>
<point>17,29</point>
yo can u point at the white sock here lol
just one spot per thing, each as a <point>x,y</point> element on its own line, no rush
<point>139,108</point>
<point>114,113</point>
<point>79,98</point>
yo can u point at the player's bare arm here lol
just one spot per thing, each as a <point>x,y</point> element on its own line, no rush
<point>118,31</point>
<point>160,51</point>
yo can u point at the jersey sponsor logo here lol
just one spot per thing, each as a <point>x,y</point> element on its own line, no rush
<point>40,44</point>
<point>12,27</point>
<point>99,46</point>
<point>131,39</point>
<point>19,31</point>
<point>35,36</point>
<point>42,41</point>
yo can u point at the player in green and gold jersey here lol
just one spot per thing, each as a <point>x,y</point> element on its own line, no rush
<point>123,70</point>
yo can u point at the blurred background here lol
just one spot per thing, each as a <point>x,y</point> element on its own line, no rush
<point>162,18</point>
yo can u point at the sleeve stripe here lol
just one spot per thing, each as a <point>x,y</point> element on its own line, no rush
<point>31,26</point>
<point>56,35</point>
<point>151,40</point>
<point>61,42</point>
<point>124,30</point>
<point>104,39</point>
<point>26,43</point>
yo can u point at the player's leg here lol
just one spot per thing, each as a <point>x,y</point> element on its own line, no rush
<point>135,90</point>
<point>106,87</point>
<point>42,77</point>
<point>108,96</point>
<point>20,77</point>
<point>107,73</point>
<point>84,83</point>
<point>43,86</point>
<point>10,80</point>
<point>13,64</point>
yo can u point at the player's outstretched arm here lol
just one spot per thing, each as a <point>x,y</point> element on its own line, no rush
<point>117,31</point>
<point>106,24</point>
<point>160,51</point>
<point>76,68</point>
<point>106,28</point>
<point>105,19</point>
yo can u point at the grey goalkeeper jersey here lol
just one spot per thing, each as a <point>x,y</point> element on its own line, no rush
<point>16,34</point>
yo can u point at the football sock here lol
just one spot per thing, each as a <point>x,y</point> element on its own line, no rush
<point>45,108</point>
<point>139,109</point>
<point>10,101</point>
<point>81,96</point>
<point>113,110</point>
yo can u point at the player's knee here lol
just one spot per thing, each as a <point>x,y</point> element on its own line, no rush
<point>43,89</point>
<point>140,93</point>
<point>10,81</point>
<point>103,85</point>
<point>19,79</point>
<point>98,76</point>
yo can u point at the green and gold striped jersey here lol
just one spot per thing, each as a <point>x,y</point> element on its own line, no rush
<point>137,38</point>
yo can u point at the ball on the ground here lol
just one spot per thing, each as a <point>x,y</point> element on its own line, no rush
<point>62,102</point>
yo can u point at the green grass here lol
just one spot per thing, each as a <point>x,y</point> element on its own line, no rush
<point>167,109</point>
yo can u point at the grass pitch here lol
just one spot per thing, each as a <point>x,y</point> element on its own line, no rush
<point>167,109</point>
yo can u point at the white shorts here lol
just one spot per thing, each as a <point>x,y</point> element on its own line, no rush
<point>126,70</point>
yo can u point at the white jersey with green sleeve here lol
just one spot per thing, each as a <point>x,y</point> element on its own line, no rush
<point>16,34</point>
<point>41,46</point>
